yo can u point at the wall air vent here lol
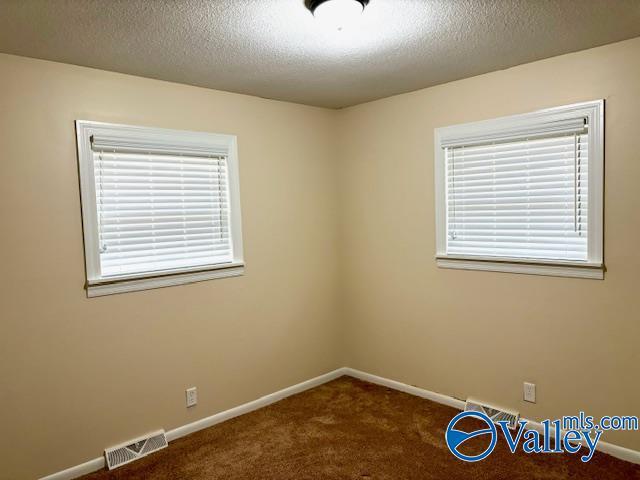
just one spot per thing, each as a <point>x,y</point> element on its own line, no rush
<point>135,449</point>
<point>494,413</point>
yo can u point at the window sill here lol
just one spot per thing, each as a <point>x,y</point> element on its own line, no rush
<point>148,283</point>
<point>572,270</point>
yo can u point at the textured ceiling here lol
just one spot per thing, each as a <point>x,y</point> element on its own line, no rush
<point>275,49</point>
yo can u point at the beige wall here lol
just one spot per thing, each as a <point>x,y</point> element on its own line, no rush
<point>80,374</point>
<point>482,334</point>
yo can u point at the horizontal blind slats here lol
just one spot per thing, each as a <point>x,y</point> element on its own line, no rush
<point>519,253</point>
<point>508,149</point>
<point>528,218</point>
<point>525,198</point>
<point>121,168</point>
<point>151,264</point>
<point>522,208</point>
<point>159,212</point>
<point>124,181</point>
<point>110,173</point>
<point>148,188</point>
<point>519,235</point>
<point>166,254</point>
<point>519,232</point>
<point>521,186</point>
<point>156,226</point>
<point>506,158</point>
<point>181,220</point>
<point>113,243</point>
<point>565,175</point>
<point>521,244</point>
<point>150,193</point>
<point>160,234</point>
<point>152,249</point>
<point>506,168</point>
<point>183,206</point>
<point>160,161</point>
<point>541,193</point>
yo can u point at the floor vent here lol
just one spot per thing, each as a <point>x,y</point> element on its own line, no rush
<point>135,449</point>
<point>494,413</point>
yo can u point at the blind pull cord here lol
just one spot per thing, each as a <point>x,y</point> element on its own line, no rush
<point>579,184</point>
<point>575,182</point>
<point>452,234</point>
<point>218,169</point>
<point>103,247</point>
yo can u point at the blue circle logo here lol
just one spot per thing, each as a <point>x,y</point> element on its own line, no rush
<point>455,438</point>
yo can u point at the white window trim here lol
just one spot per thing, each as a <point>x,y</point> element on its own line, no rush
<point>517,126</point>
<point>160,140</point>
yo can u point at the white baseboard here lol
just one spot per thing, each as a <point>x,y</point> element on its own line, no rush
<point>403,387</point>
<point>77,471</point>
<point>617,451</point>
<point>98,463</point>
<point>254,405</point>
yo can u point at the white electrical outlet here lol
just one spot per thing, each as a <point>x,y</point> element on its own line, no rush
<point>192,396</point>
<point>530,392</point>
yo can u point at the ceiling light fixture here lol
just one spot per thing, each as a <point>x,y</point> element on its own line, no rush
<point>337,14</point>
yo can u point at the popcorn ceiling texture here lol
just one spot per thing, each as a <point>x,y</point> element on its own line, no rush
<point>275,49</point>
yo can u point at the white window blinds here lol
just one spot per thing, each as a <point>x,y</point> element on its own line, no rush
<point>160,207</point>
<point>521,198</point>
<point>160,211</point>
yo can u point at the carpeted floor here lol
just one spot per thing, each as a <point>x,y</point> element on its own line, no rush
<point>349,429</point>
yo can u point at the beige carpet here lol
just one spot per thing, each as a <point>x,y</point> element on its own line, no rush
<point>349,429</point>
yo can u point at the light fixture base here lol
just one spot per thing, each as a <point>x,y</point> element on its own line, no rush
<point>313,4</point>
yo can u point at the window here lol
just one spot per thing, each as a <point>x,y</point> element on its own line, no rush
<point>523,194</point>
<point>159,207</point>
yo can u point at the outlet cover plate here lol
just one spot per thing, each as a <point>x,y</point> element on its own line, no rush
<point>529,392</point>
<point>192,397</point>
